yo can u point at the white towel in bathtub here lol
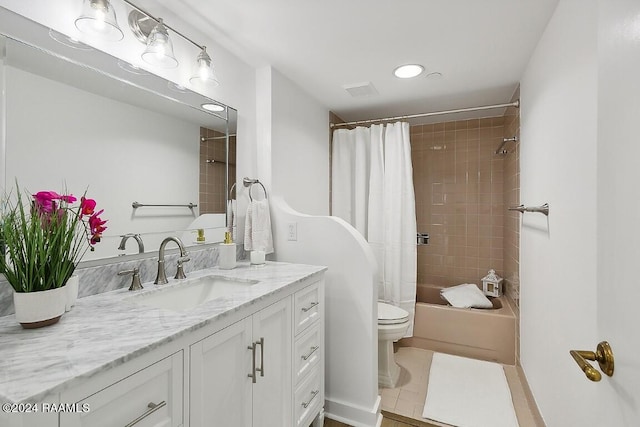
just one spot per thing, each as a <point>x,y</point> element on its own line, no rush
<point>467,295</point>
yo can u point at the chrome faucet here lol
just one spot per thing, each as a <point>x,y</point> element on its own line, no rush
<point>161,277</point>
<point>138,238</point>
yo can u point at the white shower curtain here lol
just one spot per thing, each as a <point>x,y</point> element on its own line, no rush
<point>372,189</point>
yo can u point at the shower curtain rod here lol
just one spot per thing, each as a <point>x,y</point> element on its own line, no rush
<point>436,113</point>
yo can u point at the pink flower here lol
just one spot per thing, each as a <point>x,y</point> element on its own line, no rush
<point>68,198</point>
<point>87,206</point>
<point>96,225</point>
<point>45,200</point>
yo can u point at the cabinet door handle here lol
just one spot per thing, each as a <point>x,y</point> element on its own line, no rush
<point>261,344</point>
<point>313,349</point>
<point>314,393</point>
<point>252,375</point>
<point>153,407</point>
<point>313,304</point>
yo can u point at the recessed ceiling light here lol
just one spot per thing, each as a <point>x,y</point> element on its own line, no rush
<point>408,71</point>
<point>213,107</point>
<point>434,76</point>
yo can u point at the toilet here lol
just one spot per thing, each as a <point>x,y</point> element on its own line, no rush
<point>393,323</point>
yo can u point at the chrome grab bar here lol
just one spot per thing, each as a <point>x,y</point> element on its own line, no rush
<point>313,350</point>
<point>153,407</point>
<point>313,304</point>
<point>544,209</point>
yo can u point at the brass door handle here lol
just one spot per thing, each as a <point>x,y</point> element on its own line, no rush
<point>604,356</point>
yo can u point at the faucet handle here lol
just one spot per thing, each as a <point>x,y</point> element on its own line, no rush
<point>135,278</point>
<point>180,272</point>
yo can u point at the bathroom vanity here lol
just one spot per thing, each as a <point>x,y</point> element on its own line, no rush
<point>247,349</point>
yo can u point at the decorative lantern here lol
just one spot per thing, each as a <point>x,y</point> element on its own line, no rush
<point>492,284</point>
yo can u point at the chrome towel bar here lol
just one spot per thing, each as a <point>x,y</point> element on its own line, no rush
<point>136,205</point>
<point>544,209</point>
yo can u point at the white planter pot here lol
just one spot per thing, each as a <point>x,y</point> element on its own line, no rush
<point>38,309</point>
<point>72,291</point>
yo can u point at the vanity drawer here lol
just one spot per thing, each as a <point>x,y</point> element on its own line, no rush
<point>152,397</point>
<point>307,307</point>
<point>308,399</point>
<point>307,352</point>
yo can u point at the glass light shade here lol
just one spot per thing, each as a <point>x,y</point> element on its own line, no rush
<point>98,19</point>
<point>204,74</point>
<point>159,51</point>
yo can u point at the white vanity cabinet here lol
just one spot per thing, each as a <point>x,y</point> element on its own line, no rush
<point>258,365</point>
<point>152,396</point>
<point>308,356</point>
<point>240,376</point>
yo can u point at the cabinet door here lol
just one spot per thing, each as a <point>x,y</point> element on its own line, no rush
<point>151,397</point>
<point>272,390</point>
<point>220,390</point>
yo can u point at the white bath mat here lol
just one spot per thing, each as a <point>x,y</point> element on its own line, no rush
<point>466,392</point>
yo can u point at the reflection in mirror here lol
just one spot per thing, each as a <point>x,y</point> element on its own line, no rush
<point>76,120</point>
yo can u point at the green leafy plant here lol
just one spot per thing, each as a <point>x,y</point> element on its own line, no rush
<point>45,239</point>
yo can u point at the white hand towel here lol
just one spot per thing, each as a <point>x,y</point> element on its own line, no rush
<point>466,296</point>
<point>257,228</point>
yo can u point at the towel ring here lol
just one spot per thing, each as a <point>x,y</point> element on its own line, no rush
<point>231,191</point>
<point>263,189</point>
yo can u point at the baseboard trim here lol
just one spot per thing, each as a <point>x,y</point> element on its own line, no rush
<point>352,415</point>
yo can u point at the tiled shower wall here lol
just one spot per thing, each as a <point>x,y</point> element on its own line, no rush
<point>212,170</point>
<point>459,185</point>
<point>512,198</point>
<point>512,218</point>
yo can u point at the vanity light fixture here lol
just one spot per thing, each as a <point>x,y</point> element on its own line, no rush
<point>98,19</point>
<point>204,70</point>
<point>408,71</point>
<point>213,107</point>
<point>159,51</point>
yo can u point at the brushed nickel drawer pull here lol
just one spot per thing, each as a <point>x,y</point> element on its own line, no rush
<point>261,344</point>
<point>152,408</point>
<point>252,375</point>
<point>313,304</point>
<point>313,395</point>
<point>313,349</point>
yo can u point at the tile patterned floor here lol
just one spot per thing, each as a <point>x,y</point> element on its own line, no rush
<point>407,399</point>
<point>402,406</point>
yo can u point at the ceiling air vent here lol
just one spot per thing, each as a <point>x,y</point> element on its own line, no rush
<point>358,90</point>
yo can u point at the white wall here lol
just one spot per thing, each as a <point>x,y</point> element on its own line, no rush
<point>299,147</point>
<point>558,253</point>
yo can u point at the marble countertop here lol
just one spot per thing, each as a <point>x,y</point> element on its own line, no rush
<point>108,329</point>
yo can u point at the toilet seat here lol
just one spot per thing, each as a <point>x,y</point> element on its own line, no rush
<point>391,315</point>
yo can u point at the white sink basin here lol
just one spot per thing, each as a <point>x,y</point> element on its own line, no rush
<point>192,293</point>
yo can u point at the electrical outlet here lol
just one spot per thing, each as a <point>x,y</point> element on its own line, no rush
<point>292,231</point>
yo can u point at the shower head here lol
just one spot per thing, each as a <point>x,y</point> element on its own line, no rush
<point>502,150</point>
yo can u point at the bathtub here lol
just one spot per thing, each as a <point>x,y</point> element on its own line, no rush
<point>487,334</point>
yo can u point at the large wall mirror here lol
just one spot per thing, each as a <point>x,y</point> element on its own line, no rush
<point>77,118</point>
